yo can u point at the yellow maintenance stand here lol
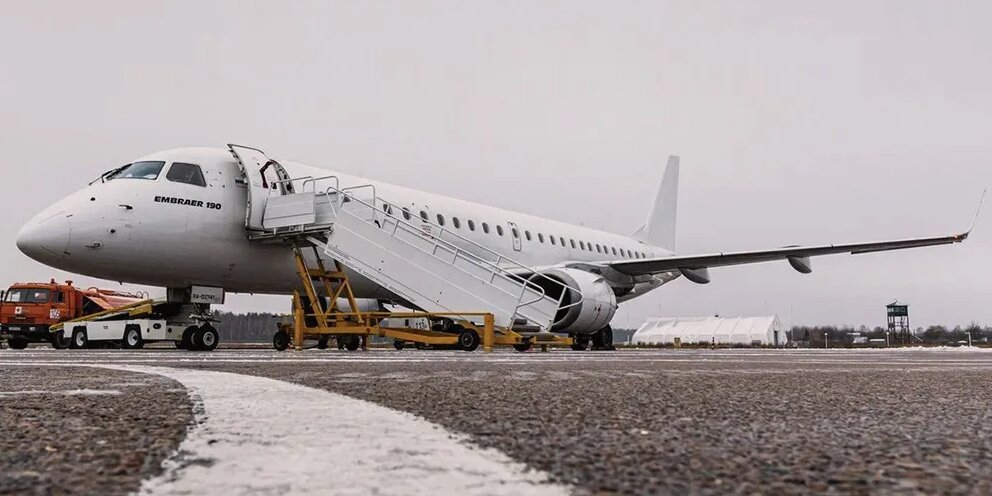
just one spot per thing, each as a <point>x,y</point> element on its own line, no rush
<point>318,317</point>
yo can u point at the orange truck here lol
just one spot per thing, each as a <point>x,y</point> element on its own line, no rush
<point>27,310</point>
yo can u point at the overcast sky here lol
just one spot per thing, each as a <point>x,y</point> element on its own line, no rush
<point>797,123</point>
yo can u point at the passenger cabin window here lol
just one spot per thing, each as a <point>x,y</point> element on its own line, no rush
<point>140,170</point>
<point>552,239</point>
<point>614,248</point>
<point>582,244</point>
<point>423,215</point>
<point>527,235</point>
<point>499,230</point>
<point>440,220</point>
<point>455,222</point>
<point>471,225</point>
<point>406,213</point>
<point>540,237</point>
<point>572,241</point>
<point>562,239</point>
<point>516,233</point>
<point>485,228</point>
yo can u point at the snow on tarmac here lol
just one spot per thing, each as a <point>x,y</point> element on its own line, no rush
<point>262,436</point>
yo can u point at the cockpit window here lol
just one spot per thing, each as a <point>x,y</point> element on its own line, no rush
<point>186,173</point>
<point>140,170</point>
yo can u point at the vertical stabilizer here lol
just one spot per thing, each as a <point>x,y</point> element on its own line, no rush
<point>660,229</point>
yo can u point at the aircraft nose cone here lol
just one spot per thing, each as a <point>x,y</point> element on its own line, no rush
<point>45,238</point>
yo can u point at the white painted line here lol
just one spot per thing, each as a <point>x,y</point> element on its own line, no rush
<point>262,436</point>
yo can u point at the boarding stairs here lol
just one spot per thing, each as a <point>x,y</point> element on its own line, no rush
<point>431,267</point>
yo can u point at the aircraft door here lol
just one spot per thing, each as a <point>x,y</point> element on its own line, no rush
<point>265,178</point>
<point>515,235</point>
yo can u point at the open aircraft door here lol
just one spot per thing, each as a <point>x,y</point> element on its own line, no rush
<point>265,178</point>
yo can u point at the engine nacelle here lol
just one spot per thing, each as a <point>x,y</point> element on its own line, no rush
<point>598,301</point>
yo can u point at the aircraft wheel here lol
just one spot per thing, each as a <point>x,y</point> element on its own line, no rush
<point>186,343</point>
<point>603,339</point>
<point>468,339</point>
<point>322,343</point>
<point>79,339</point>
<point>398,344</point>
<point>351,343</point>
<point>17,343</point>
<point>207,338</point>
<point>132,337</point>
<point>280,340</point>
<point>522,347</point>
<point>59,342</point>
<point>580,342</point>
<point>607,338</point>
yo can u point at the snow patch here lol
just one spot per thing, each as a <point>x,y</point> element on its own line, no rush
<point>255,435</point>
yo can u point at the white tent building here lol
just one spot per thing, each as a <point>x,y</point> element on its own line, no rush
<point>761,330</point>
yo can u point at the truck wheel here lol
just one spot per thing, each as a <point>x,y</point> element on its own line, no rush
<point>186,343</point>
<point>207,338</point>
<point>322,343</point>
<point>522,347</point>
<point>59,342</point>
<point>468,339</point>
<point>132,337</point>
<point>79,339</point>
<point>398,344</point>
<point>280,340</point>
<point>17,343</point>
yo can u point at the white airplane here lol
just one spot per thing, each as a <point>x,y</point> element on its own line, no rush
<point>184,217</point>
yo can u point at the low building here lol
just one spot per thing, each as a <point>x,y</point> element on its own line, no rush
<point>759,331</point>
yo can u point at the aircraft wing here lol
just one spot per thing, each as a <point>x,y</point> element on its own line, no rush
<point>694,266</point>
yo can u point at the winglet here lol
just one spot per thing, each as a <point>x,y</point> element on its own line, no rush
<point>977,214</point>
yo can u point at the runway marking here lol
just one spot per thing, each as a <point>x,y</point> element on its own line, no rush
<point>263,436</point>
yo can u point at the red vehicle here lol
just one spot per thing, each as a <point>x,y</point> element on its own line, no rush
<point>27,310</point>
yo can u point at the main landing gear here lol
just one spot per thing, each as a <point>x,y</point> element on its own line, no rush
<point>602,340</point>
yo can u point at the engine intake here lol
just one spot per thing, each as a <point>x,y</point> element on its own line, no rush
<point>597,303</point>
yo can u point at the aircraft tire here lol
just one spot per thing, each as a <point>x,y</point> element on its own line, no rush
<point>79,339</point>
<point>351,343</point>
<point>17,343</point>
<point>280,340</point>
<point>522,347</point>
<point>186,343</point>
<point>580,342</point>
<point>468,339</point>
<point>132,338</point>
<point>603,339</point>
<point>207,338</point>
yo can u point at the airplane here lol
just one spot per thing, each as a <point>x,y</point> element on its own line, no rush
<point>184,217</point>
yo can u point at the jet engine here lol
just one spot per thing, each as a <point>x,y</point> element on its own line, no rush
<point>579,314</point>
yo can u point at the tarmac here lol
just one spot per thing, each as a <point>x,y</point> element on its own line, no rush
<point>445,422</point>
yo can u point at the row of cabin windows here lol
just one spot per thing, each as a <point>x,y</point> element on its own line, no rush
<point>555,241</point>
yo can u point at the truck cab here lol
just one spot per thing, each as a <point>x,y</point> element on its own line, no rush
<point>28,310</point>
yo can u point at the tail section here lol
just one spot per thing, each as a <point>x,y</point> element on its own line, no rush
<point>660,229</point>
